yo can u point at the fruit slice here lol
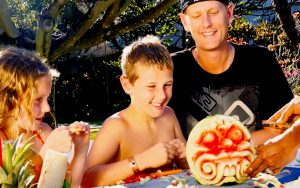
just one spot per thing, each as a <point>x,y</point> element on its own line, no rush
<point>73,130</point>
<point>219,149</point>
<point>53,170</point>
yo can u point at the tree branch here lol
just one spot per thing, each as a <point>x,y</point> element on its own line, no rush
<point>46,23</point>
<point>283,10</point>
<point>68,40</point>
<point>1,30</point>
<point>141,20</point>
<point>110,14</point>
<point>5,20</point>
<point>97,35</point>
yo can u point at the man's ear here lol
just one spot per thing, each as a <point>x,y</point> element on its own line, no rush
<point>126,85</point>
<point>184,21</point>
<point>230,8</point>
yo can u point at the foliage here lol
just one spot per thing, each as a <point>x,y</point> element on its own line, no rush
<point>162,26</point>
<point>88,92</point>
<point>271,35</point>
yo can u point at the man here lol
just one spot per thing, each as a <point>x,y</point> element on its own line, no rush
<point>217,77</point>
<point>281,150</point>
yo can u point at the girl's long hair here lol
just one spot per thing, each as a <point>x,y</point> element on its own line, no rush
<point>20,71</point>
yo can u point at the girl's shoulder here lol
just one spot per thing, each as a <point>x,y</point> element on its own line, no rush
<point>3,136</point>
<point>46,129</point>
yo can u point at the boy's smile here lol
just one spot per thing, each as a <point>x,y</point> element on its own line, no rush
<point>152,90</point>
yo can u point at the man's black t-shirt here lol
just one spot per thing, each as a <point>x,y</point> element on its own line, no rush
<point>252,89</point>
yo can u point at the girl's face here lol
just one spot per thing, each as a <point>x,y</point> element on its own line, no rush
<point>40,105</point>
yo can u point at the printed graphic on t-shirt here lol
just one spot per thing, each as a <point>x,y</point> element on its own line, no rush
<point>240,103</point>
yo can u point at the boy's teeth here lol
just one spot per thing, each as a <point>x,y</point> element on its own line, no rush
<point>208,33</point>
<point>156,104</point>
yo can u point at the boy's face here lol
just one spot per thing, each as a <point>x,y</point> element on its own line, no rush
<point>40,104</point>
<point>208,21</point>
<point>152,90</point>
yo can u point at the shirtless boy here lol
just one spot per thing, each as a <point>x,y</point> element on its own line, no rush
<point>146,136</point>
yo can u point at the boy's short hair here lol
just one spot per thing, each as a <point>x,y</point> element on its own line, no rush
<point>147,51</point>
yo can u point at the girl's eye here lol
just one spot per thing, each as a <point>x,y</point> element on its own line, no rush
<point>39,99</point>
<point>151,86</point>
<point>168,85</point>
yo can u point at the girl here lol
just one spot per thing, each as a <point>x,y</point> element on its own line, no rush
<point>25,86</point>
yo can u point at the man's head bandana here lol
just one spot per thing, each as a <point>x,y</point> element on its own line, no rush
<point>186,3</point>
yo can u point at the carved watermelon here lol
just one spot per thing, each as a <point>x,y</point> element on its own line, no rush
<point>219,149</point>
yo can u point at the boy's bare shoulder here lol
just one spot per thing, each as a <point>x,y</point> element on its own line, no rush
<point>168,113</point>
<point>114,122</point>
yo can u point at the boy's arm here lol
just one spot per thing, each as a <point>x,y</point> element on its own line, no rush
<point>99,171</point>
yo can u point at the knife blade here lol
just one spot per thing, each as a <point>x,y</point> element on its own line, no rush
<point>273,125</point>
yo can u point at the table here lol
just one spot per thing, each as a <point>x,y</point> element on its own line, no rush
<point>158,183</point>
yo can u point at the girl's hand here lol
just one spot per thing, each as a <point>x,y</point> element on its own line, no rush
<point>159,155</point>
<point>180,148</point>
<point>81,136</point>
<point>60,140</point>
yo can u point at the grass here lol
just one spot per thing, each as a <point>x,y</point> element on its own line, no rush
<point>94,133</point>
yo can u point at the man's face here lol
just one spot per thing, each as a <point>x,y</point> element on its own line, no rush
<point>208,22</point>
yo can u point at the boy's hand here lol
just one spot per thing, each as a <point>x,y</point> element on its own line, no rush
<point>81,136</point>
<point>180,148</point>
<point>59,140</point>
<point>159,155</point>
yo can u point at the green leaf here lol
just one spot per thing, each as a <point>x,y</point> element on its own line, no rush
<point>3,175</point>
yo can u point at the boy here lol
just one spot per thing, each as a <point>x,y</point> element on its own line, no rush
<point>146,136</point>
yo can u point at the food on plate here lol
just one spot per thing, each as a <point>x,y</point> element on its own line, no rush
<point>219,149</point>
<point>266,179</point>
<point>21,164</point>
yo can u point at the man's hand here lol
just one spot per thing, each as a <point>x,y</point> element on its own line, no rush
<point>275,154</point>
<point>289,113</point>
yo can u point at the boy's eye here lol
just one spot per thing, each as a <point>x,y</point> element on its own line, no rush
<point>151,86</point>
<point>168,85</point>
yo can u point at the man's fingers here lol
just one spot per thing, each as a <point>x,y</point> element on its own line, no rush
<point>278,114</point>
<point>287,113</point>
<point>261,168</point>
<point>280,131</point>
<point>259,148</point>
<point>276,171</point>
<point>254,166</point>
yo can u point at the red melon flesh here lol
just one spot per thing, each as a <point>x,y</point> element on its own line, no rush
<point>219,149</point>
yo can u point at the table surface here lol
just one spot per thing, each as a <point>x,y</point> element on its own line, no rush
<point>158,183</point>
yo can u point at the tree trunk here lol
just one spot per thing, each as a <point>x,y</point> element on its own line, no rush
<point>283,10</point>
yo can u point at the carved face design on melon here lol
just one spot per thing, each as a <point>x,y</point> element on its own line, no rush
<point>219,149</point>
